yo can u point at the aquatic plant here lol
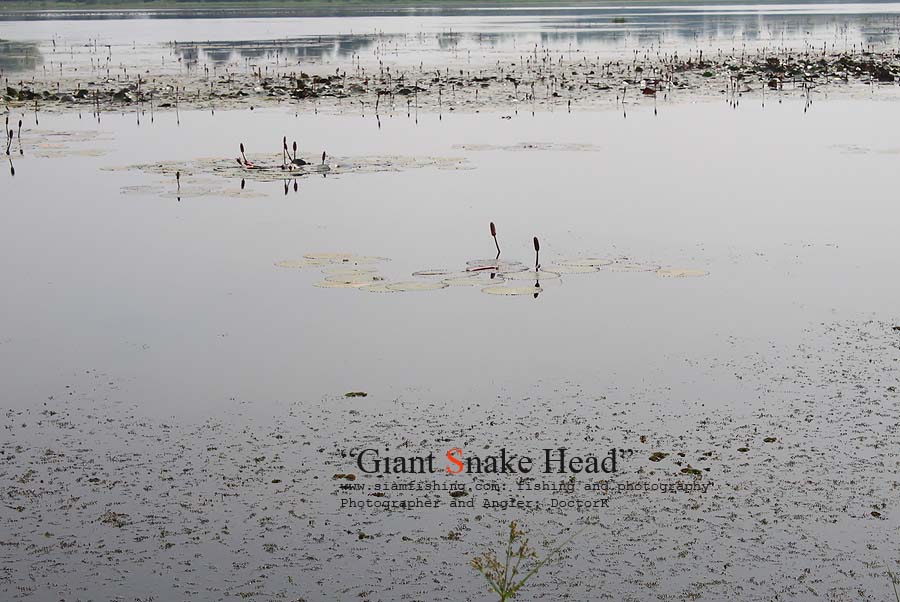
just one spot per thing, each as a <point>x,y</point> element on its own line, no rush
<point>505,578</point>
<point>895,581</point>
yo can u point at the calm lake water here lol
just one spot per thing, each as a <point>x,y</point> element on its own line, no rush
<point>460,35</point>
<point>157,364</point>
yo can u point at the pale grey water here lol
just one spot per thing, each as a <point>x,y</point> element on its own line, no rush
<point>464,35</point>
<point>182,300</point>
<point>154,343</point>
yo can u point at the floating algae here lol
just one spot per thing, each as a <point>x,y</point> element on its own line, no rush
<point>414,285</point>
<point>595,262</point>
<point>681,273</point>
<point>512,290</point>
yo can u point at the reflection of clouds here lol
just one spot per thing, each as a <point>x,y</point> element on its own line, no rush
<point>19,56</point>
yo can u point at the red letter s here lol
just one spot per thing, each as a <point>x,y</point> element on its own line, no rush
<point>453,460</point>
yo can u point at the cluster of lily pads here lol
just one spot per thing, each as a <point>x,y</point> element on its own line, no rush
<point>492,276</point>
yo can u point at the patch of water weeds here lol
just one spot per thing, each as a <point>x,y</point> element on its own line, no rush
<point>269,169</point>
<point>349,270</point>
<point>505,84</point>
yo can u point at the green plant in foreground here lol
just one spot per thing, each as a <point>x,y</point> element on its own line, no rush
<point>505,578</point>
<point>894,581</point>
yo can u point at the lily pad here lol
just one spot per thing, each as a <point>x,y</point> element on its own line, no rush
<point>560,268</point>
<point>477,265</point>
<point>299,263</point>
<point>633,267</point>
<point>434,272</point>
<point>476,279</point>
<point>378,287</point>
<point>347,270</point>
<point>512,290</point>
<point>541,274</point>
<point>344,258</point>
<point>354,279</point>
<point>414,285</point>
<point>592,262</point>
<point>681,273</point>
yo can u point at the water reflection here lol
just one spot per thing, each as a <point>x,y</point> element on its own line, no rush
<point>19,56</point>
<point>298,48</point>
<point>584,30</point>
